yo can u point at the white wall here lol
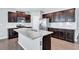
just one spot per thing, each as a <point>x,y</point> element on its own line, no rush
<point>77,24</point>
<point>4,25</point>
<point>35,20</point>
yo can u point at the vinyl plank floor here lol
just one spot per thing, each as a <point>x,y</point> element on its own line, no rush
<point>11,44</point>
<point>56,44</point>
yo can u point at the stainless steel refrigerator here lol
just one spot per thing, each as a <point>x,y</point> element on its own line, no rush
<point>44,23</point>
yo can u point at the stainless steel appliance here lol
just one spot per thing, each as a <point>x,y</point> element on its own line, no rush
<point>44,23</point>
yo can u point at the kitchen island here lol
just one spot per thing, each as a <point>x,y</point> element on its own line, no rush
<point>34,40</point>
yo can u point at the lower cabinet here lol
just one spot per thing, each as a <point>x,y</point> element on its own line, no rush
<point>63,34</point>
<point>56,34</point>
<point>46,42</point>
<point>12,33</point>
<point>70,36</point>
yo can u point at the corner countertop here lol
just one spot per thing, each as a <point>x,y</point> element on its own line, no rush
<point>33,34</point>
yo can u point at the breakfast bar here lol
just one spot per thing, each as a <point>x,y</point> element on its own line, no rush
<point>34,40</point>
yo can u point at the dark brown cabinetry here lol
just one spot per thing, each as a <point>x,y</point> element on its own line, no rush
<point>70,15</point>
<point>46,42</point>
<point>12,33</point>
<point>61,16</point>
<point>70,36</point>
<point>20,14</point>
<point>28,18</point>
<point>44,16</point>
<point>12,17</point>
<point>18,17</point>
<point>64,34</point>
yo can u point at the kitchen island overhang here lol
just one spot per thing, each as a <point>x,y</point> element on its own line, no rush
<point>34,40</point>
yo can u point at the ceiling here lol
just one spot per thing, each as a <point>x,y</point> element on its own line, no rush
<point>29,10</point>
<point>45,10</point>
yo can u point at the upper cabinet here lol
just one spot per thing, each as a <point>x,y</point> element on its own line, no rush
<point>28,18</point>
<point>44,16</point>
<point>19,17</point>
<point>61,16</point>
<point>20,14</point>
<point>12,17</point>
<point>70,15</point>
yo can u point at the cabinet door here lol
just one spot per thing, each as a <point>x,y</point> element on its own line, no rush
<point>56,16</point>
<point>28,18</point>
<point>46,42</point>
<point>52,18</point>
<point>55,33</point>
<point>70,36</point>
<point>12,34</point>
<point>70,15</point>
<point>12,16</point>
<point>20,14</point>
<point>45,16</point>
<point>61,16</point>
<point>62,35</point>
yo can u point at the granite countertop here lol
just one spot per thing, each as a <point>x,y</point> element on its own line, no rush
<point>33,34</point>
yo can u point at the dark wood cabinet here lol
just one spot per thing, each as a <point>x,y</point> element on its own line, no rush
<point>12,33</point>
<point>56,34</point>
<point>12,17</point>
<point>56,17</point>
<point>70,15</point>
<point>28,18</point>
<point>70,36</point>
<point>46,42</point>
<point>63,34</point>
<point>61,16</point>
<point>20,14</point>
<point>18,17</point>
<point>45,16</point>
